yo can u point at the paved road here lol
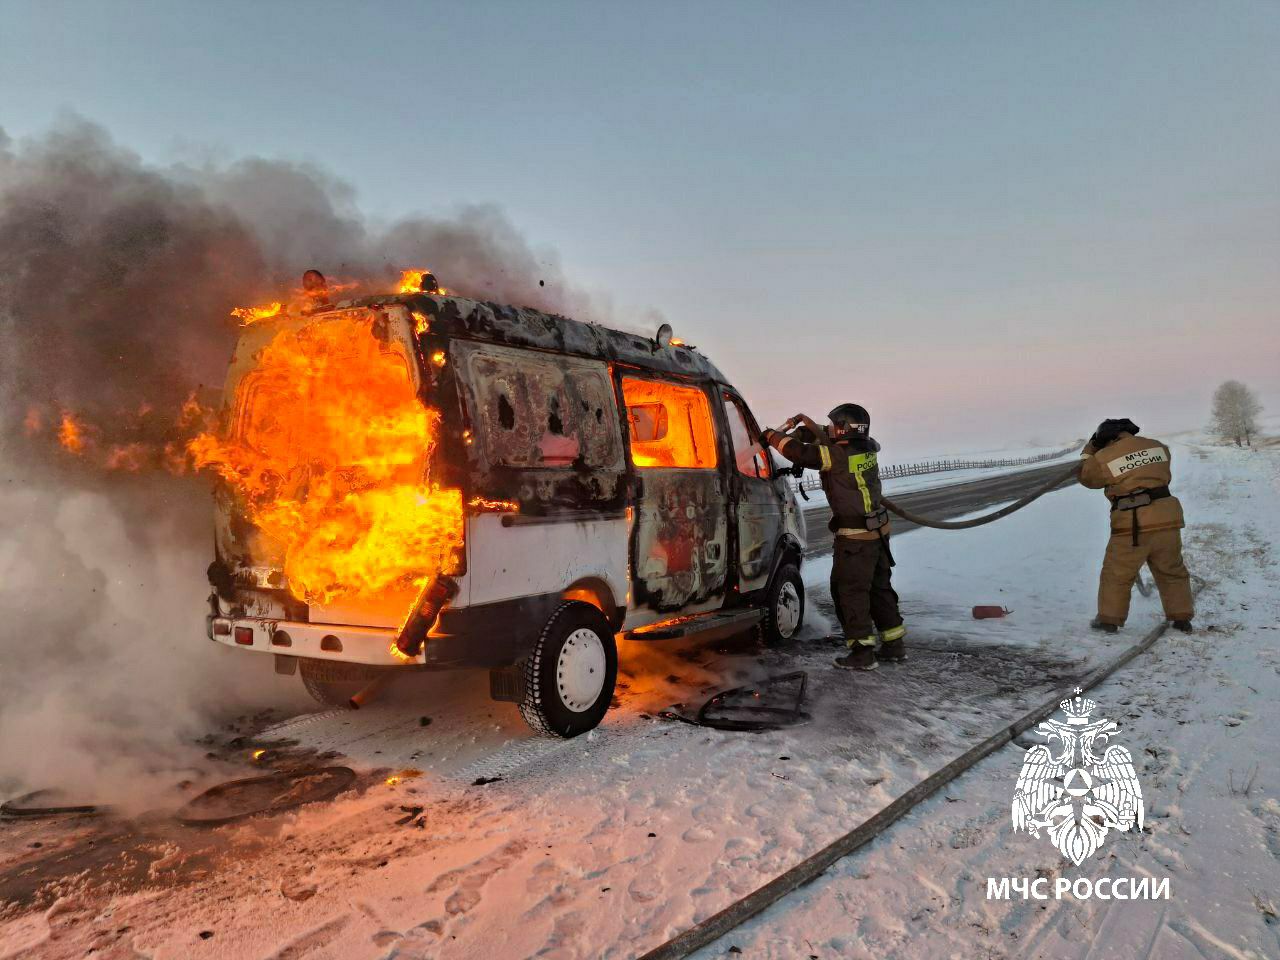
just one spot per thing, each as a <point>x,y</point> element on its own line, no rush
<point>942,503</point>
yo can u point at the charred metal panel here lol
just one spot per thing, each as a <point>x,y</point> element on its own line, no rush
<point>756,502</point>
<point>525,327</point>
<point>543,427</point>
<point>680,553</point>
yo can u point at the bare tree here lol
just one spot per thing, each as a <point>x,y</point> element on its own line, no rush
<point>1235,412</point>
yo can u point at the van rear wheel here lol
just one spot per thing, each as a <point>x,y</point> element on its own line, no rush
<point>784,606</point>
<point>570,675</point>
<point>333,682</point>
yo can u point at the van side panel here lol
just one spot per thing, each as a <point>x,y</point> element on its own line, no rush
<point>543,555</point>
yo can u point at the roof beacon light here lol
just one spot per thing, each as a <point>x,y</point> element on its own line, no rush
<point>315,288</point>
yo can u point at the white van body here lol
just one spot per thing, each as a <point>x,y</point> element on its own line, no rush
<point>624,491</point>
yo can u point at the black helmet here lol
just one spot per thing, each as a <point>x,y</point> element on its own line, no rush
<point>1109,431</point>
<point>851,418</point>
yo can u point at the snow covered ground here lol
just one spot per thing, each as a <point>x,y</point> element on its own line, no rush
<point>602,847</point>
<point>1199,714</point>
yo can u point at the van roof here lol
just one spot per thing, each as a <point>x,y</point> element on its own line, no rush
<point>525,327</point>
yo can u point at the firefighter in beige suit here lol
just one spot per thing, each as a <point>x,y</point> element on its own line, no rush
<point>1146,523</point>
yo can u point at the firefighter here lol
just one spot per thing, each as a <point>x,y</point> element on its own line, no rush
<point>1146,523</point>
<point>845,457</point>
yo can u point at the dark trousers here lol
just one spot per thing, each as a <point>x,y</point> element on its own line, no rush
<point>862,589</point>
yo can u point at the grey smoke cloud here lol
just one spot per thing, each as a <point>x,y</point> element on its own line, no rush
<point>116,284</point>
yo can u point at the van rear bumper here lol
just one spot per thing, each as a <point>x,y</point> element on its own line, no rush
<point>319,641</point>
<point>486,635</point>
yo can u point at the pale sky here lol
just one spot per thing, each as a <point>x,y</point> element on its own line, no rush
<point>990,223</point>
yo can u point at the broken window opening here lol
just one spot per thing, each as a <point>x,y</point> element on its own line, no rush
<point>670,425</point>
<point>506,415</point>
<point>751,459</point>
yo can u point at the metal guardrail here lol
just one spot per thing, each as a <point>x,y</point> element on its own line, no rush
<point>944,466</point>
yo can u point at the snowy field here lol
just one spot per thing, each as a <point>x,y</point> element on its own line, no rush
<point>604,846</point>
<point>1199,714</point>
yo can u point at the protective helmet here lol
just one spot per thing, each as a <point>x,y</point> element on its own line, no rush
<point>851,418</point>
<point>1109,431</point>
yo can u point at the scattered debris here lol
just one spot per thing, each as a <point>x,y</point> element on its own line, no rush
<point>481,781</point>
<point>410,813</point>
<point>990,612</point>
<point>25,806</point>
<point>297,890</point>
<point>240,799</point>
<point>750,708</point>
<point>424,721</point>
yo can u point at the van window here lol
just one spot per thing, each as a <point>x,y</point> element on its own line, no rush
<point>539,410</point>
<point>750,456</point>
<point>670,424</point>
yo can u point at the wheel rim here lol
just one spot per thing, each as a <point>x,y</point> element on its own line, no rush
<point>580,670</point>
<point>786,610</point>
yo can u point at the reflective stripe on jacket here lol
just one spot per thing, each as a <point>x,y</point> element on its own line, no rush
<point>850,473</point>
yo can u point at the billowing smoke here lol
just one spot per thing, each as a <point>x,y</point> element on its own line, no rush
<point>116,284</point>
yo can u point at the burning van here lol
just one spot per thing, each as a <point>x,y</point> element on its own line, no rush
<point>422,481</point>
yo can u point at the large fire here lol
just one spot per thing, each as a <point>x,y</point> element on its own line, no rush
<point>327,448</point>
<point>411,282</point>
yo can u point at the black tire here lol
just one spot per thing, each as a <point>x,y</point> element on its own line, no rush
<point>786,589</point>
<point>548,705</point>
<point>333,682</point>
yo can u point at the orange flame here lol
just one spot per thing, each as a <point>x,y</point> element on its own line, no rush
<point>494,506</point>
<point>71,434</point>
<point>330,457</point>
<point>248,315</point>
<point>411,282</point>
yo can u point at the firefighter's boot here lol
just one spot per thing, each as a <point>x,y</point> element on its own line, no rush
<point>895,651</point>
<point>862,656</point>
<point>1097,624</point>
<point>892,648</point>
<point>1183,625</point>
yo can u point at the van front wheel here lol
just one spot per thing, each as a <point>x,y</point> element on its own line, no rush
<point>784,606</point>
<point>570,674</point>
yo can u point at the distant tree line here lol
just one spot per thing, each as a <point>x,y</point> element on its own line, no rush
<point>1235,412</point>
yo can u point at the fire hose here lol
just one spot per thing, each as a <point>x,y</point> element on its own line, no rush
<point>757,901</point>
<point>1036,494</point>
<point>805,435</point>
